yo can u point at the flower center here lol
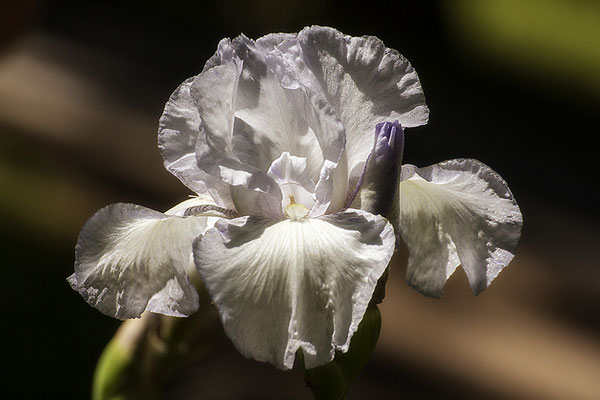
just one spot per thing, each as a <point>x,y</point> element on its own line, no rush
<point>295,212</point>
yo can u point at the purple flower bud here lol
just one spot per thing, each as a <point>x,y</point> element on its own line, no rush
<point>377,186</point>
<point>389,143</point>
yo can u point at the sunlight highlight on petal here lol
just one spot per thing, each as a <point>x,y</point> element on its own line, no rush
<point>130,258</point>
<point>294,284</point>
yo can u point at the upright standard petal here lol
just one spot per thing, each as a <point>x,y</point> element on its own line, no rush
<point>458,212</point>
<point>365,82</point>
<point>271,113</point>
<point>294,284</point>
<point>178,133</point>
<point>130,258</point>
<point>215,93</point>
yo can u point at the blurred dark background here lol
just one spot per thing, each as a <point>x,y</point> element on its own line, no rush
<point>515,84</point>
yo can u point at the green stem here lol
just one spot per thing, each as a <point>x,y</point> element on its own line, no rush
<point>144,352</point>
<point>331,381</point>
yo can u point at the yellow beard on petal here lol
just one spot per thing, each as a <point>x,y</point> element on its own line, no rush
<point>296,212</point>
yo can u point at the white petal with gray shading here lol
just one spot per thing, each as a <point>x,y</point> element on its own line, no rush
<point>261,112</point>
<point>130,258</point>
<point>294,284</point>
<point>458,212</point>
<point>178,133</point>
<point>365,82</point>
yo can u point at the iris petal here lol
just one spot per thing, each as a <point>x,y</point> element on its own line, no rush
<point>252,190</point>
<point>130,258</point>
<point>365,82</point>
<point>291,175</point>
<point>252,111</point>
<point>177,137</point>
<point>458,212</point>
<point>289,285</point>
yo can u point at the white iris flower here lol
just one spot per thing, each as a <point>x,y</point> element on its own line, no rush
<point>274,136</point>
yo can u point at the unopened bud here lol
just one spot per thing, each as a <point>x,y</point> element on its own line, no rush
<point>380,179</point>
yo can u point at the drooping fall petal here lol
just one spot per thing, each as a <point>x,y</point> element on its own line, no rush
<point>458,212</point>
<point>294,284</point>
<point>130,258</point>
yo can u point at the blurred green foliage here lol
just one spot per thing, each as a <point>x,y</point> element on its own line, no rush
<point>554,40</point>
